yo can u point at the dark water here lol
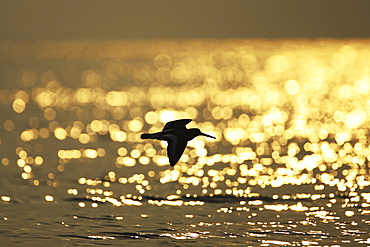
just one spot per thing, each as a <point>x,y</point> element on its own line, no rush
<point>289,165</point>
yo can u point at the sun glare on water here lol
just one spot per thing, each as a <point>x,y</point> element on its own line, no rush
<point>284,113</point>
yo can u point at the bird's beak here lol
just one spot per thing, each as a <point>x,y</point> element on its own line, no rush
<point>208,136</point>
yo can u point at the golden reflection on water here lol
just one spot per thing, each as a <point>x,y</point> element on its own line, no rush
<point>284,113</point>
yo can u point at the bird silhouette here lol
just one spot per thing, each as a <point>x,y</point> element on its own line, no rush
<point>177,137</point>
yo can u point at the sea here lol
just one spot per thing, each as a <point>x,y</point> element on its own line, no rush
<point>289,165</point>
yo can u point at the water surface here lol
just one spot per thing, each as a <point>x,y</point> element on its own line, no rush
<point>290,165</point>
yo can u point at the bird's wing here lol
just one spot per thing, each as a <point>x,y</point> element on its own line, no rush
<point>177,124</point>
<point>175,148</point>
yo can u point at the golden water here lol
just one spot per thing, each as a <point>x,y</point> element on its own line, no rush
<point>289,166</point>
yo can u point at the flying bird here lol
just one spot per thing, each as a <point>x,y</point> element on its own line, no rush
<point>177,137</point>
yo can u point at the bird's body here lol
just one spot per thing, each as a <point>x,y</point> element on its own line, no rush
<point>177,136</point>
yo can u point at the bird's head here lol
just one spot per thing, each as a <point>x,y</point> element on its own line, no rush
<point>196,132</point>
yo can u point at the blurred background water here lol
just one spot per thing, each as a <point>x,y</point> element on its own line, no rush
<point>290,165</point>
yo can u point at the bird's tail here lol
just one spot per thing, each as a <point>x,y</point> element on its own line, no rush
<point>145,136</point>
